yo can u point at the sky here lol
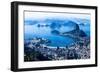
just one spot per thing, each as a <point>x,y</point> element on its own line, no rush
<point>43,15</point>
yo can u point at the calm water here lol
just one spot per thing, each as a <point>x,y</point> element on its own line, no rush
<point>32,31</point>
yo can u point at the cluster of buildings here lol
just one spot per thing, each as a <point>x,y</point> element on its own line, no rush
<point>76,50</point>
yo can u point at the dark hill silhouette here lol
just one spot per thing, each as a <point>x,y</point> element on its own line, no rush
<point>75,33</point>
<point>72,24</point>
